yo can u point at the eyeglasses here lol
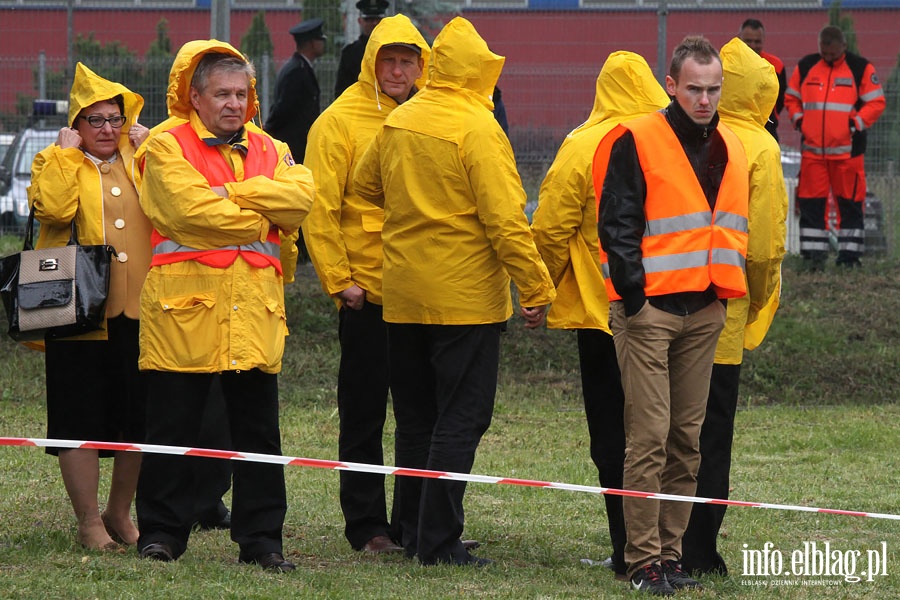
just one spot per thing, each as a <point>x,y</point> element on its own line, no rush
<point>96,121</point>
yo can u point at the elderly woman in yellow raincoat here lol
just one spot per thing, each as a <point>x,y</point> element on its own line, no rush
<point>94,389</point>
<point>565,231</point>
<point>749,91</point>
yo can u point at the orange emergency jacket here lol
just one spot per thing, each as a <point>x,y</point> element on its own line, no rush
<point>829,98</point>
<point>213,166</point>
<point>686,246</point>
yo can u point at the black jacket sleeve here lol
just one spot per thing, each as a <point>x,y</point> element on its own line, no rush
<point>621,222</point>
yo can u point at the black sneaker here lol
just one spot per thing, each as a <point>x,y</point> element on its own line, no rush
<point>649,579</point>
<point>677,577</point>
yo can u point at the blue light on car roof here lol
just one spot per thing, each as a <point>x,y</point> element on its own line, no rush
<point>50,107</point>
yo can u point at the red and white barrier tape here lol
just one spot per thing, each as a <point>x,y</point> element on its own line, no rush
<point>388,470</point>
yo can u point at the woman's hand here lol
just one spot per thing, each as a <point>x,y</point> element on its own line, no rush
<point>137,134</point>
<point>68,138</point>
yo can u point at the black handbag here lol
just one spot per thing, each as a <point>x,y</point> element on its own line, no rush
<point>55,292</point>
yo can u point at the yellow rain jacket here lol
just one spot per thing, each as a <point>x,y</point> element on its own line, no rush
<point>62,176</point>
<point>187,55</point>
<point>343,231</point>
<point>565,222</point>
<point>749,91</point>
<point>442,168</point>
<point>201,319</point>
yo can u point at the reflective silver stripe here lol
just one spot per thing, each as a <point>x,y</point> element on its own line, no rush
<point>860,124</point>
<point>822,151</point>
<point>267,248</point>
<point>674,262</point>
<point>605,269</point>
<point>851,246</point>
<point>725,256</point>
<point>808,245</point>
<point>793,92</point>
<point>813,233</point>
<point>731,221</point>
<point>679,223</point>
<point>852,233</point>
<point>832,106</point>
<point>872,95</point>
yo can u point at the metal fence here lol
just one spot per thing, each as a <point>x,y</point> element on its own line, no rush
<point>548,83</point>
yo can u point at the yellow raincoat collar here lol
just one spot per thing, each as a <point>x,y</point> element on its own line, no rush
<point>88,88</point>
<point>749,87</point>
<point>625,87</point>
<point>461,59</point>
<point>178,96</point>
<point>397,29</point>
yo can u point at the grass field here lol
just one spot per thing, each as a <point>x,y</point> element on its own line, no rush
<point>817,426</point>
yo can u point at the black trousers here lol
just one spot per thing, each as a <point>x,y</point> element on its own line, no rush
<point>167,487</point>
<point>363,382</point>
<point>213,476</point>
<point>604,407</point>
<point>443,383</point>
<point>698,546</point>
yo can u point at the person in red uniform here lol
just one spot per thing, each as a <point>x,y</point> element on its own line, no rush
<point>833,98</point>
<point>753,33</point>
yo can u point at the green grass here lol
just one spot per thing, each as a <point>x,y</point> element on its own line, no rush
<point>817,426</point>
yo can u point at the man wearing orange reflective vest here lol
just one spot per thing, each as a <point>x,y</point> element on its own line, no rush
<point>672,222</point>
<point>218,194</point>
<point>833,98</point>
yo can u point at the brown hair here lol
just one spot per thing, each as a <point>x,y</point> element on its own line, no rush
<point>693,46</point>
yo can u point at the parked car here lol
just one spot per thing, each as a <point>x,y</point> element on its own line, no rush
<point>15,168</point>
<point>6,140</point>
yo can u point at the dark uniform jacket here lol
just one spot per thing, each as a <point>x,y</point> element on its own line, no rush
<point>296,105</point>
<point>348,68</point>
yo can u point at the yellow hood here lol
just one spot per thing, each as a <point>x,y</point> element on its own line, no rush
<point>397,29</point>
<point>178,97</point>
<point>88,88</point>
<point>461,59</point>
<point>626,88</point>
<point>750,87</point>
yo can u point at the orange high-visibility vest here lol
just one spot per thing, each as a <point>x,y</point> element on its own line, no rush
<point>686,246</point>
<point>261,159</point>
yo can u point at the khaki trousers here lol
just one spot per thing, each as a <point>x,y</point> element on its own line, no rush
<point>665,361</point>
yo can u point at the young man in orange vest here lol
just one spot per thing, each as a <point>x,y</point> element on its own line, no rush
<point>672,221</point>
<point>833,98</point>
<point>218,195</point>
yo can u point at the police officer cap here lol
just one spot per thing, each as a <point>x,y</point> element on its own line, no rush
<point>372,8</point>
<point>311,29</point>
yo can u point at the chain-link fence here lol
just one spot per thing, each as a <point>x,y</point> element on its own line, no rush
<point>554,50</point>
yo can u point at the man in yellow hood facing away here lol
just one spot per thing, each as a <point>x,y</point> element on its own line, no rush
<point>454,232</point>
<point>218,195</point>
<point>565,231</point>
<point>749,92</point>
<point>343,235</point>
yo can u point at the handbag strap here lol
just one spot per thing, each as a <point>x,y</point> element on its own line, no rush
<point>29,232</point>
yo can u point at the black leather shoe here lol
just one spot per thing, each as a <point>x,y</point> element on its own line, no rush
<point>273,561</point>
<point>157,551</point>
<point>221,522</point>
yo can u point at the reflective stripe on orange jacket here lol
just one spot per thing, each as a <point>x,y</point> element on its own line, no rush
<point>686,246</point>
<point>207,159</point>
<point>828,100</point>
